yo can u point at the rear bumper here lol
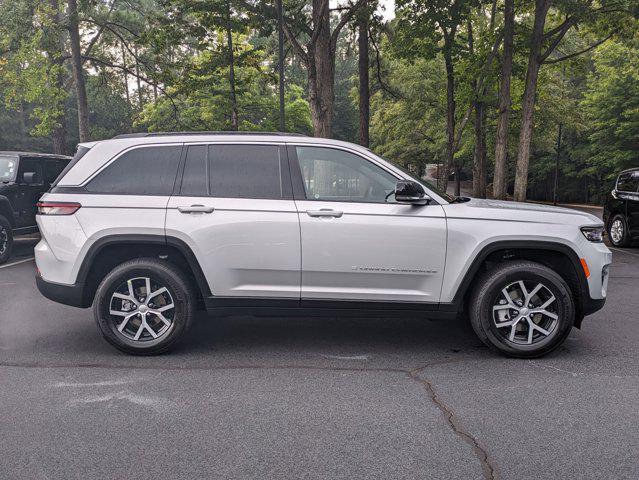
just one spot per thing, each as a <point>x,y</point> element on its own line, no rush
<point>67,294</point>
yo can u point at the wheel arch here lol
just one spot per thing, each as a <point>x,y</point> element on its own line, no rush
<point>111,250</point>
<point>557,256</point>
<point>619,210</point>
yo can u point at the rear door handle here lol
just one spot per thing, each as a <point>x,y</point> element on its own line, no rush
<point>196,209</point>
<point>324,212</point>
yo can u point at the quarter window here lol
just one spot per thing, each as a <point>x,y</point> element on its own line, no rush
<point>141,171</point>
<point>336,175</point>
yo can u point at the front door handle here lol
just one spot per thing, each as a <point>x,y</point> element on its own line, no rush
<point>196,209</point>
<point>324,212</point>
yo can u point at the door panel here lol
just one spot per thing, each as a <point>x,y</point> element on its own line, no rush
<point>28,194</point>
<point>247,247</point>
<point>357,242</point>
<point>632,206</point>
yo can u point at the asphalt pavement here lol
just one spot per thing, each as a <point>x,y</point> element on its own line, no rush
<point>311,398</point>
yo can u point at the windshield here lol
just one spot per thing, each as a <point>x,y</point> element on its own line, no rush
<point>430,185</point>
<point>8,166</point>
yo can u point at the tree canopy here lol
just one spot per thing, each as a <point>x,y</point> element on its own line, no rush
<point>444,88</point>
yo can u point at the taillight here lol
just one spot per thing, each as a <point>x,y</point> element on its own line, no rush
<point>57,208</point>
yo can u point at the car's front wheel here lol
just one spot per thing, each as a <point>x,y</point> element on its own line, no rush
<point>6,239</point>
<point>144,306</point>
<point>522,309</point>
<point>617,231</point>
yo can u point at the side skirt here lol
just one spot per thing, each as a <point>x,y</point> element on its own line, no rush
<point>269,307</point>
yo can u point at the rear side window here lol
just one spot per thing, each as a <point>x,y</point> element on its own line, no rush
<point>234,171</point>
<point>30,165</point>
<point>628,182</point>
<point>52,169</point>
<point>245,171</point>
<point>141,171</point>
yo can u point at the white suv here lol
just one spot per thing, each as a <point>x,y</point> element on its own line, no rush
<point>147,227</point>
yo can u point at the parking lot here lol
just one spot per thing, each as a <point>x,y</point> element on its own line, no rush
<point>330,398</point>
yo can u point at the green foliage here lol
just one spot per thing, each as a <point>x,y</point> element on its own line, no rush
<point>205,105</point>
<point>611,104</point>
<point>164,65</point>
<point>29,70</point>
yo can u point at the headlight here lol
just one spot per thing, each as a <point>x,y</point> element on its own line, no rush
<point>593,234</point>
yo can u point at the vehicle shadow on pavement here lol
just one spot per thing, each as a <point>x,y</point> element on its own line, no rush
<point>358,338</point>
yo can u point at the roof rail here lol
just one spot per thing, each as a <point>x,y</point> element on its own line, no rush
<point>168,134</point>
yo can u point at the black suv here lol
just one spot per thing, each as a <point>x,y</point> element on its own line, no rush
<point>24,177</point>
<point>621,211</point>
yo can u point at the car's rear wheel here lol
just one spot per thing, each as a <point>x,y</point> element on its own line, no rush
<point>618,232</point>
<point>144,306</point>
<point>522,309</point>
<point>6,239</point>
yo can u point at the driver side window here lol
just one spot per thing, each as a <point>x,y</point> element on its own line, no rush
<point>336,175</point>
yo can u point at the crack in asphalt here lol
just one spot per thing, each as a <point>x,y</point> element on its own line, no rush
<point>487,464</point>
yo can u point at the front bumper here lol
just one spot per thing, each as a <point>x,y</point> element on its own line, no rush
<point>590,306</point>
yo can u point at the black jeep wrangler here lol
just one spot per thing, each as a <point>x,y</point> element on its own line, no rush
<point>24,177</point>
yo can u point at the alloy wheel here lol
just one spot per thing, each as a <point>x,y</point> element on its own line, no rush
<point>142,309</point>
<point>616,231</point>
<point>525,312</point>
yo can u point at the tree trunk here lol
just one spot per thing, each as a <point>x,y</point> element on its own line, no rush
<point>528,101</point>
<point>78,74</point>
<point>231,59</point>
<point>321,72</point>
<point>59,134</point>
<point>364,89</point>
<point>280,63</point>
<point>503,123</point>
<point>442,180</point>
<point>137,74</point>
<point>479,164</point>
<point>458,171</point>
<point>127,94</point>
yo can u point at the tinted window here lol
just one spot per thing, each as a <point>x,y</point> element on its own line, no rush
<point>245,171</point>
<point>195,177</point>
<point>141,171</point>
<point>52,169</point>
<point>337,175</point>
<point>628,182</point>
<point>33,165</point>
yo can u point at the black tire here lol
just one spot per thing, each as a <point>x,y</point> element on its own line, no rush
<point>624,241</point>
<point>488,294</point>
<point>6,239</point>
<point>161,274</point>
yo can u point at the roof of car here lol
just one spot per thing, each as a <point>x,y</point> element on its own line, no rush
<point>139,139</point>
<point>173,134</point>
<point>633,169</point>
<point>33,154</point>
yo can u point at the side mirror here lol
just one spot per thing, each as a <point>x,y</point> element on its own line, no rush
<point>30,178</point>
<point>410,192</point>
